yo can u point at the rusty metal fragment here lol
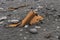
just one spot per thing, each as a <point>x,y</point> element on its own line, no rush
<point>31,18</point>
<point>28,18</point>
<point>36,19</point>
<point>13,25</point>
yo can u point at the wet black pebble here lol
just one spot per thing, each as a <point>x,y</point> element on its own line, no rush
<point>42,22</point>
<point>59,37</point>
<point>58,16</point>
<point>2,3</point>
<point>48,8</point>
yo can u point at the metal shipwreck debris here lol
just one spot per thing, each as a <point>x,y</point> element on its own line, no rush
<point>31,18</point>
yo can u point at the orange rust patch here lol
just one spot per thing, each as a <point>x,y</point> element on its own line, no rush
<point>28,18</point>
<point>36,19</point>
<point>13,25</point>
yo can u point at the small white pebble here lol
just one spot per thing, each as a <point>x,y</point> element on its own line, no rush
<point>4,17</point>
<point>58,27</point>
<point>36,10</point>
<point>26,32</point>
<point>44,29</point>
<point>56,36</point>
<point>14,10</point>
<point>21,29</point>
<point>56,19</point>
<point>33,30</point>
<point>1,8</point>
<point>13,20</point>
<point>38,27</point>
<point>40,7</point>
<point>25,37</point>
<point>20,34</point>
<point>26,26</point>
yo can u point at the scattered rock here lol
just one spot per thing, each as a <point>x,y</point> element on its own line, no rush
<point>56,36</point>
<point>21,29</point>
<point>48,35</point>
<point>36,10</point>
<point>13,21</point>
<point>56,19</point>
<point>44,29</point>
<point>40,7</point>
<point>38,27</point>
<point>53,10</point>
<point>33,31</point>
<point>26,32</point>
<point>26,26</point>
<point>1,22</point>
<point>25,37</point>
<point>48,8</point>
<point>21,34</point>
<point>15,11</point>
<point>3,18</point>
<point>1,8</point>
<point>58,27</point>
<point>59,37</point>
